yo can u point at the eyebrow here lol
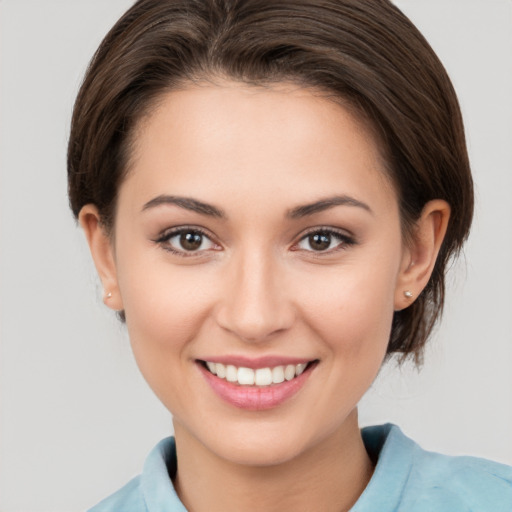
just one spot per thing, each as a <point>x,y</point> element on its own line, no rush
<point>295,213</point>
<point>324,204</point>
<point>187,203</point>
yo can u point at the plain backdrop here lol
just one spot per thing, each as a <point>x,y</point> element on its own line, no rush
<point>76,417</point>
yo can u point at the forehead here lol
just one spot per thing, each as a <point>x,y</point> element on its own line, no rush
<point>234,141</point>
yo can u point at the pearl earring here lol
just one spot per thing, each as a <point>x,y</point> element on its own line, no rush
<point>408,294</point>
<point>109,295</point>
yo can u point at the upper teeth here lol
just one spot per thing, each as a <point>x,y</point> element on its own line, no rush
<point>258,377</point>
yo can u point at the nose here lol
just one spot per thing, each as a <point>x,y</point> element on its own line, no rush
<point>254,305</point>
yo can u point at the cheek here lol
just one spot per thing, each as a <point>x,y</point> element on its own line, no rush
<point>165,307</point>
<point>352,308</point>
<point>162,326</point>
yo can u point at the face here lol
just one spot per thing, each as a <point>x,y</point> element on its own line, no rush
<point>257,238</point>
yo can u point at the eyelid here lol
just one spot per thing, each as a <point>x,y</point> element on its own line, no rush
<point>169,232</point>
<point>163,238</point>
<point>346,239</point>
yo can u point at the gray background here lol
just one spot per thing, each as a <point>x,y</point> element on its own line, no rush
<point>76,418</point>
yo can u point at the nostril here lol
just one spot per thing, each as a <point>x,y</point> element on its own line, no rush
<point>254,324</point>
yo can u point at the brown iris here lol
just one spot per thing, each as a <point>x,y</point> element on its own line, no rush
<point>191,240</point>
<point>319,241</point>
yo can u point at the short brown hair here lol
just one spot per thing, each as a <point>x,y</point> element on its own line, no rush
<point>364,52</point>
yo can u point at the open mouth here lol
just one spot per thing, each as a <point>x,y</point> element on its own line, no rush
<point>258,377</point>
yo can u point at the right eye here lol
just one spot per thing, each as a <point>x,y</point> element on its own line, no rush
<point>186,241</point>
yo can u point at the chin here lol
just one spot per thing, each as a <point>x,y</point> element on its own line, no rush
<point>261,451</point>
<point>261,442</point>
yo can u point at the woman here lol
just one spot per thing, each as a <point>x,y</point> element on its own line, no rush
<point>271,192</point>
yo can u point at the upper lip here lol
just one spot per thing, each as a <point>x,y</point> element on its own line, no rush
<point>269,361</point>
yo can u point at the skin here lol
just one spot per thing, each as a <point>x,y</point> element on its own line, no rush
<point>256,286</point>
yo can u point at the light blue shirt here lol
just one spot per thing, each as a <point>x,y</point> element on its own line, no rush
<point>406,479</point>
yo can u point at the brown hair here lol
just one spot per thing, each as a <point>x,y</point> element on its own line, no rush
<point>364,52</point>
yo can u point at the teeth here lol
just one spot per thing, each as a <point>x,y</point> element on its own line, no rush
<point>246,376</point>
<point>300,368</point>
<point>231,373</point>
<point>221,370</point>
<point>259,377</point>
<point>289,372</point>
<point>263,377</point>
<point>278,374</point>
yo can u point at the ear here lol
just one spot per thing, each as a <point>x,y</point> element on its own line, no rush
<point>421,252</point>
<point>102,251</point>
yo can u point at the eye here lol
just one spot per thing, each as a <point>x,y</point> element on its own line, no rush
<point>324,240</point>
<point>186,241</point>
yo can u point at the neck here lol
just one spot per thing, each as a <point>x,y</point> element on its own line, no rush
<point>329,476</point>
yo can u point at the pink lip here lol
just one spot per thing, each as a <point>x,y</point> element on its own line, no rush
<point>254,398</point>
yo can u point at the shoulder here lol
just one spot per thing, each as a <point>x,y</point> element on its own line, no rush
<point>128,499</point>
<point>153,490</point>
<point>471,483</point>
<point>416,479</point>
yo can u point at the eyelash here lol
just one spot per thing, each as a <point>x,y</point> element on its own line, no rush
<point>166,236</point>
<point>345,240</point>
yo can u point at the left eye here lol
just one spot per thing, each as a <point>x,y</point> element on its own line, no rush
<point>323,241</point>
<point>186,241</point>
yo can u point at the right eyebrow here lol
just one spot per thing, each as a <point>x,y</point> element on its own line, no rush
<point>187,203</point>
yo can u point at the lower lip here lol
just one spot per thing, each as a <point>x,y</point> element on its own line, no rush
<point>254,398</point>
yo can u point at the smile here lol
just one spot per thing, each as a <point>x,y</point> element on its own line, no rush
<point>265,386</point>
<point>256,377</point>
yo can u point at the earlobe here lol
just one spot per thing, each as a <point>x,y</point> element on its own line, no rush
<point>102,252</point>
<point>421,253</point>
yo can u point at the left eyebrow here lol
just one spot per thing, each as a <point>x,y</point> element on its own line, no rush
<point>324,204</point>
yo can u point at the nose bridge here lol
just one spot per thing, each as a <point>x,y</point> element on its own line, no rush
<point>255,305</point>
